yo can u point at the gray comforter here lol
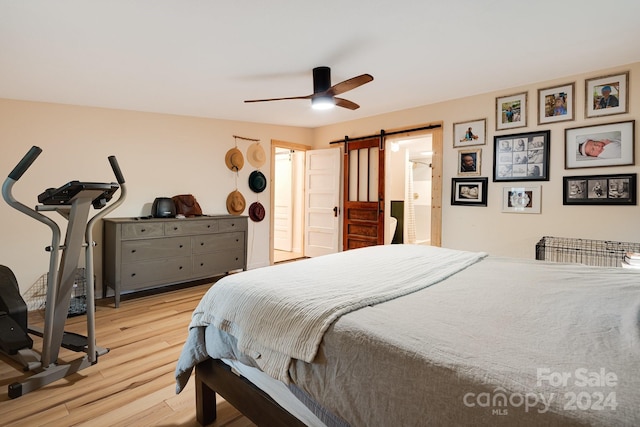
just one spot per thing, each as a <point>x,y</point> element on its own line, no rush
<point>503,341</point>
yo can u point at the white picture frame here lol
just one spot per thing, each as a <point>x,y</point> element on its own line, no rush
<point>617,145</point>
<point>473,132</point>
<point>522,199</point>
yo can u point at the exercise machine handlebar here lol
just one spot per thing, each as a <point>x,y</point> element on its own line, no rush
<point>116,169</point>
<point>25,163</point>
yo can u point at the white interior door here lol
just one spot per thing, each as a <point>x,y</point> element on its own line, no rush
<point>322,201</point>
<point>283,207</point>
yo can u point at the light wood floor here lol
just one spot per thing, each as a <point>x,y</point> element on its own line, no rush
<point>133,384</point>
<point>281,256</point>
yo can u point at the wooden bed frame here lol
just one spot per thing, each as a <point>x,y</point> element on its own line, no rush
<point>214,376</point>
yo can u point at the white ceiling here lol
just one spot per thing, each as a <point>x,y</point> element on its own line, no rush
<point>204,58</point>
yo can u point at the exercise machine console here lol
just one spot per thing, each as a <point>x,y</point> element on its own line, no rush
<point>73,201</point>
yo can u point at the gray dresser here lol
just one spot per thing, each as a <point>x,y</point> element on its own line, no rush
<point>150,253</point>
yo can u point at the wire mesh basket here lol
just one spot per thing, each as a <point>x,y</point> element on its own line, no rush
<point>36,295</point>
<point>599,253</point>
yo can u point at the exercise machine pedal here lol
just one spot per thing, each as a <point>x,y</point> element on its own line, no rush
<point>70,340</point>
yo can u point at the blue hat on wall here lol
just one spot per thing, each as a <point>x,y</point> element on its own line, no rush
<point>257,182</point>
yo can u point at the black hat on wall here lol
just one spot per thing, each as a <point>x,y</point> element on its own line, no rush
<point>257,182</point>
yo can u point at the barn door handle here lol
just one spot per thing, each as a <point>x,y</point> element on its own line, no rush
<point>335,211</point>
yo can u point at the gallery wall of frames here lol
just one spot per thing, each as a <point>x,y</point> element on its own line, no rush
<point>521,159</point>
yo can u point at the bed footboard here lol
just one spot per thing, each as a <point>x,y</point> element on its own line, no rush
<point>214,376</point>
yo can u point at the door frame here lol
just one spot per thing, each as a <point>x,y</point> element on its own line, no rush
<point>289,146</point>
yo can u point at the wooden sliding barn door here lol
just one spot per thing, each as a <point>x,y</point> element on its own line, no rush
<point>363,193</point>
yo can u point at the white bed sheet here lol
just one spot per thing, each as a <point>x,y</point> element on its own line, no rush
<point>278,391</point>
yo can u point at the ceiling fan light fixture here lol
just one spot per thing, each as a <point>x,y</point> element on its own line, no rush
<point>323,103</point>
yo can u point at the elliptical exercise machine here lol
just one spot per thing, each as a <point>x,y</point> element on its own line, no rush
<point>73,201</point>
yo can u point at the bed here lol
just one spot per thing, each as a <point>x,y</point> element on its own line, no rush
<point>416,335</point>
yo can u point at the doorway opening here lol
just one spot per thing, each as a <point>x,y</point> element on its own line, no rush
<point>413,189</point>
<point>287,201</point>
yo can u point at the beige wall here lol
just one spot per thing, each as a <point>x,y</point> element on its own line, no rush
<point>160,155</point>
<point>164,155</point>
<point>509,234</point>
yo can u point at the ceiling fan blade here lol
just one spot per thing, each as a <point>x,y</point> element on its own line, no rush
<point>345,103</point>
<point>279,99</point>
<point>350,84</point>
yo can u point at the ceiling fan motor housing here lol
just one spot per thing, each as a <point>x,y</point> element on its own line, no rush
<point>321,79</point>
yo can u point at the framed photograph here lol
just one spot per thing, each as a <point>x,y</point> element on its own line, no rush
<point>555,104</point>
<point>469,191</point>
<point>511,111</point>
<point>521,199</point>
<point>600,189</point>
<point>602,145</point>
<point>469,161</point>
<point>473,132</point>
<point>607,95</point>
<point>521,157</point>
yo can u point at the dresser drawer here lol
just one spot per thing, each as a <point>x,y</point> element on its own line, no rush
<point>217,242</point>
<point>232,224</point>
<point>211,264</point>
<point>136,275</point>
<point>142,230</point>
<point>181,228</point>
<point>146,254</point>
<point>138,250</point>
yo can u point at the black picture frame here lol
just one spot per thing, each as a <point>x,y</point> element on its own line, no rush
<point>521,156</point>
<point>616,189</point>
<point>469,191</point>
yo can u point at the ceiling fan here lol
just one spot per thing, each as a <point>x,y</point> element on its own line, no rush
<point>324,95</point>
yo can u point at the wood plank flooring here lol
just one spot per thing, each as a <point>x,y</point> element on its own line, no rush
<point>133,384</point>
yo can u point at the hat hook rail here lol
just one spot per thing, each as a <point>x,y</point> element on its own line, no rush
<point>244,138</point>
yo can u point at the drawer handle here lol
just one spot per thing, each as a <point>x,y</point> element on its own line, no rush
<point>133,251</point>
<point>237,258</point>
<point>175,228</point>
<point>237,240</point>
<point>143,230</point>
<point>133,274</point>
<point>233,224</point>
<point>201,243</point>
<point>201,264</point>
<point>181,246</point>
<point>180,268</point>
<point>209,226</point>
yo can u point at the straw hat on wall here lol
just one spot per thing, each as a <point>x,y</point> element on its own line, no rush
<point>235,203</point>
<point>234,159</point>
<point>256,155</point>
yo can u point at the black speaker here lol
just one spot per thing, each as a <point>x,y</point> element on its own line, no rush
<point>163,207</point>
